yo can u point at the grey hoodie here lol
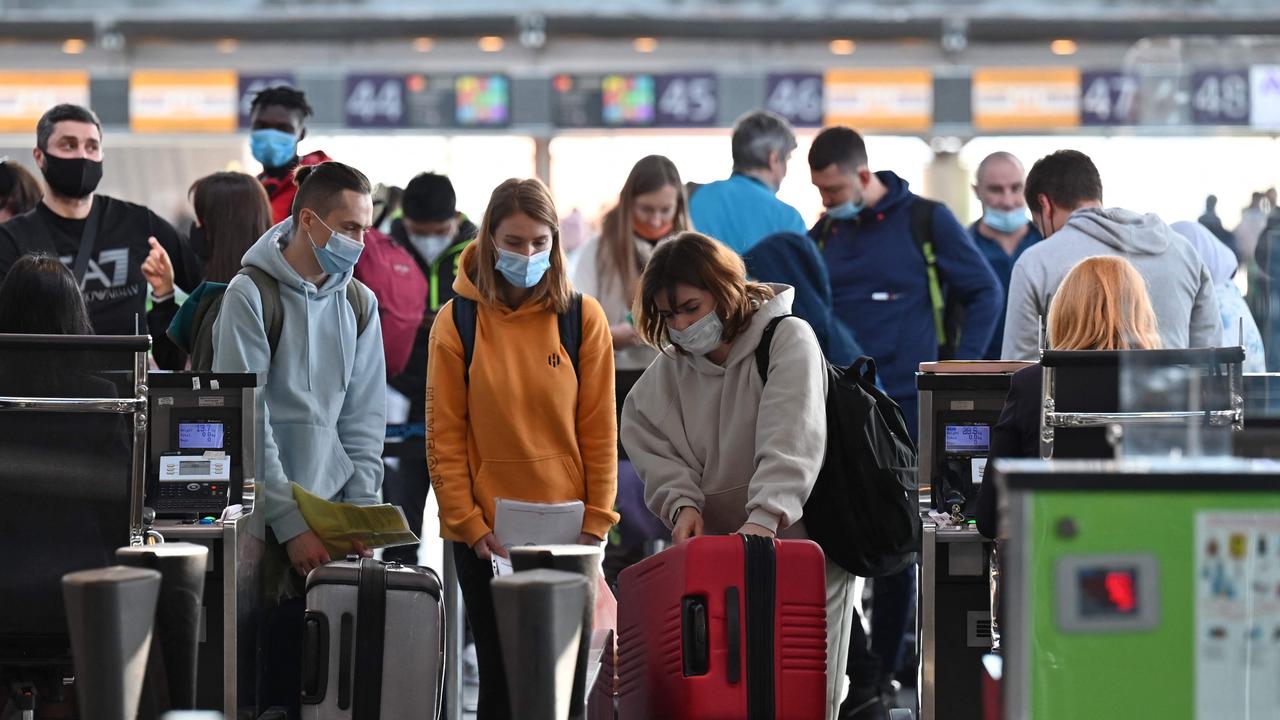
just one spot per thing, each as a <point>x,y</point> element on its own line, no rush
<point>1181,290</point>
<point>714,438</point>
<point>323,417</point>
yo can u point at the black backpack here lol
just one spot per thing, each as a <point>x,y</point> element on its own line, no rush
<point>863,510</point>
<point>569,322</point>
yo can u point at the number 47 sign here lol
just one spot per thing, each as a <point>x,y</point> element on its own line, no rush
<point>1265,82</point>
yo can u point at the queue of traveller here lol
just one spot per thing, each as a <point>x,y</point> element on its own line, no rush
<point>654,413</point>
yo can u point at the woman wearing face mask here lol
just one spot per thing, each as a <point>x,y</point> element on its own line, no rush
<point>520,422</point>
<point>719,450</point>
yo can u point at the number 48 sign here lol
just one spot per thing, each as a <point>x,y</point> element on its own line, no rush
<point>1220,97</point>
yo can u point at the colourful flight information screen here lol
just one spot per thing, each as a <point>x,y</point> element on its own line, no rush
<point>629,100</point>
<point>482,100</point>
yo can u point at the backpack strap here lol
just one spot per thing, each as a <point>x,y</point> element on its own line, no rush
<point>922,211</point>
<point>272,314</point>
<point>568,322</point>
<point>865,369</point>
<point>358,298</point>
<point>766,342</point>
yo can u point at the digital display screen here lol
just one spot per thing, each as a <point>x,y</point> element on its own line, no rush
<point>194,467</point>
<point>1108,591</point>
<point>482,100</point>
<point>200,436</point>
<point>629,100</point>
<point>969,439</point>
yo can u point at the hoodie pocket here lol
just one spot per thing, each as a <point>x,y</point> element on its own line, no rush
<point>313,457</point>
<point>546,480</point>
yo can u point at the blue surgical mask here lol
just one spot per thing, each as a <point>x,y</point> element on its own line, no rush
<point>273,148</point>
<point>339,255</point>
<point>701,337</point>
<point>1005,221</point>
<point>523,271</point>
<point>845,211</point>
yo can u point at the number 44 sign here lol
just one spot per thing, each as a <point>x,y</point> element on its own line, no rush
<point>1265,82</point>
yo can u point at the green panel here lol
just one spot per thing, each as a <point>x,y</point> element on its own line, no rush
<point>1135,674</point>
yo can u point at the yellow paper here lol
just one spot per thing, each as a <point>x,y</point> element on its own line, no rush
<point>340,524</point>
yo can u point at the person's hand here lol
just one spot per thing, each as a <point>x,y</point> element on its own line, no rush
<point>688,525</point>
<point>624,335</point>
<point>306,552</point>
<point>158,270</point>
<point>589,539</point>
<point>487,546</point>
<point>754,529</point>
<point>358,548</point>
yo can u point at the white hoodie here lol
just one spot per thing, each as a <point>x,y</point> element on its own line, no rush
<point>717,439</point>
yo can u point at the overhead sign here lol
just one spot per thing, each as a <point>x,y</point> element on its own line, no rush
<point>1220,97</point>
<point>1264,81</point>
<point>251,85</point>
<point>26,95</point>
<point>688,100</point>
<point>798,97</point>
<point>577,101</point>
<point>482,100</point>
<point>1026,98</point>
<point>375,101</point>
<point>1108,98</point>
<point>885,99</point>
<point>628,100</point>
<point>184,101</point>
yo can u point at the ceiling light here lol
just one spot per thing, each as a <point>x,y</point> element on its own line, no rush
<point>74,46</point>
<point>226,46</point>
<point>842,47</point>
<point>1063,47</point>
<point>491,43</point>
<point>645,44</point>
<point>423,44</point>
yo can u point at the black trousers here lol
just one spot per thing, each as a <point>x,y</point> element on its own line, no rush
<point>474,576</point>
<point>407,488</point>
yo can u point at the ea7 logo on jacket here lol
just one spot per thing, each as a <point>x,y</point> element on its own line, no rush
<point>554,360</point>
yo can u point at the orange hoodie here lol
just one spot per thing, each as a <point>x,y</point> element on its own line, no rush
<point>525,428</point>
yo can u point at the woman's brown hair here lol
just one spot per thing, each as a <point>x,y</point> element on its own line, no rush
<point>531,198</point>
<point>19,189</point>
<point>234,212</point>
<point>616,258</point>
<point>1102,304</point>
<point>696,260</point>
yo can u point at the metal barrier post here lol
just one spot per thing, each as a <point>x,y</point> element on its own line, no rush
<point>453,636</point>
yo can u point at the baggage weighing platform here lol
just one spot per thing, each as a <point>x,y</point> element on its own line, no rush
<point>959,404</point>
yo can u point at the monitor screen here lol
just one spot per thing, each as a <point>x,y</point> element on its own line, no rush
<point>1108,591</point>
<point>968,439</point>
<point>200,436</point>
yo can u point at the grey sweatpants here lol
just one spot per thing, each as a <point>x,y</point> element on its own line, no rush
<point>840,605</point>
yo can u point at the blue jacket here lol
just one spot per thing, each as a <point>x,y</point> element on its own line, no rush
<point>741,211</point>
<point>791,259</point>
<point>880,287</point>
<point>1002,263</point>
<point>324,416</point>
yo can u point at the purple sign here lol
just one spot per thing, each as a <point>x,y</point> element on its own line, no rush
<point>1220,97</point>
<point>1108,98</point>
<point>375,101</point>
<point>798,97</point>
<point>688,100</point>
<point>251,85</point>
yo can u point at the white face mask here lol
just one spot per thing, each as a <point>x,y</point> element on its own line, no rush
<point>701,337</point>
<point>430,246</point>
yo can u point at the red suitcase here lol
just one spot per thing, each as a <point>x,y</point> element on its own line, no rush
<point>724,627</point>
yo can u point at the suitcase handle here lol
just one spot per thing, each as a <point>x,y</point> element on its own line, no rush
<point>695,648</point>
<point>734,635</point>
<point>315,657</point>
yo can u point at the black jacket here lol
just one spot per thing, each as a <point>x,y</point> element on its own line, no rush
<point>1016,435</point>
<point>412,381</point>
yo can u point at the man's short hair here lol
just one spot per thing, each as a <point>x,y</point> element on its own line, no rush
<point>1068,178</point>
<point>320,186</point>
<point>429,198</point>
<point>758,134</point>
<point>63,113</point>
<point>839,146</point>
<point>284,96</point>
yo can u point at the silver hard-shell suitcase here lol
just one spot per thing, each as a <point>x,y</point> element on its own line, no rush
<point>373,642</point>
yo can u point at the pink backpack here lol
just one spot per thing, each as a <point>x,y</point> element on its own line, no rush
<point>389,270</point>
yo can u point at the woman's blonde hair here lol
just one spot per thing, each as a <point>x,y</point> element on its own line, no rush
<point>1102,304</point>
<point>528,197</point>
<point>696,260</point>
<point>616,258</point>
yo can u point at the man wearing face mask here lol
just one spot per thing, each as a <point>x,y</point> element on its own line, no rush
<point>277,124</point>
<point>116,249</point>
<point>322,418</point>
<point>745,209</point>
<point>434,234</point>
<point>1004,231</point>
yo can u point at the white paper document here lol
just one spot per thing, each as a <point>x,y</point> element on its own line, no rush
<point>501,566</point>
<point>518,523</point>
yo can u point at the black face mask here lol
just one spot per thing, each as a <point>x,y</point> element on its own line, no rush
<point>72,177</point>
<point>198,243</point>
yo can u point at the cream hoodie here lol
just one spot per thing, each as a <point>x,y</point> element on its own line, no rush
<point>717,439</point>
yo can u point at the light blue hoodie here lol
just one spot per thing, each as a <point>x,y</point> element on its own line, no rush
<point>323,419</point>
